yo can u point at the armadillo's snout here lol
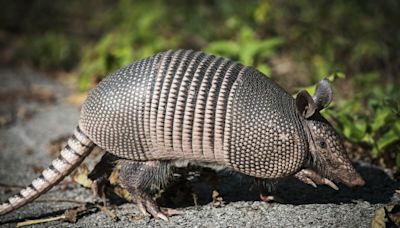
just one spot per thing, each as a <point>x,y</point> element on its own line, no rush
<point>354,180</point>
<point>348,176</point>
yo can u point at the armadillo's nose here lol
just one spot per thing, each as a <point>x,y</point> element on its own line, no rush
<point>355,180</point>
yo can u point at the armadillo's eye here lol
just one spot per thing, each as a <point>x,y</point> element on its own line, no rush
<point>322,144</point>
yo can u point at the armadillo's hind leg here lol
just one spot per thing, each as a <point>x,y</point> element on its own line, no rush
<point>101,173</point>
<point>142,178</point>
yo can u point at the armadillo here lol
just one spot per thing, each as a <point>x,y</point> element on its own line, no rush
<point>187,107</point>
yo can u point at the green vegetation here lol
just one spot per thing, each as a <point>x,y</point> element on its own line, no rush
<point>372,118</point>
<point>314,39</point>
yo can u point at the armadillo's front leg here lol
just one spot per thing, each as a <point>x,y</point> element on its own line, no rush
<point>139,178</point>
<point>267,190</point>
<point>312,178</point>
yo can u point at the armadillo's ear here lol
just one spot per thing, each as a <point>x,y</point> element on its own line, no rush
<point>305,104</point>
<point>323,94</point>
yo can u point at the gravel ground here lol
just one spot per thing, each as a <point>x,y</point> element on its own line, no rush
<point>34,111</point>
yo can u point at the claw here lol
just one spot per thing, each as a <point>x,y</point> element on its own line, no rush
<point>330,184</point>
<point>313,184</point>
<point>312,178</point>
<point>142,209</point>
<point>308,181</point>
<point>148,207</point>
<point>267,199</point>
<point>271,198</point>
<point>171,212</point>
<point>166,212</point>
<point>161,216</point>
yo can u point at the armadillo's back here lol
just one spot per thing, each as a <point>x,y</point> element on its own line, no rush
<point>171,105</point>
<point>190,105</point>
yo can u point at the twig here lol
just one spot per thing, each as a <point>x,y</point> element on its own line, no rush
<point>61,201</point>
<point>37,221</point>
<point>70,215</point>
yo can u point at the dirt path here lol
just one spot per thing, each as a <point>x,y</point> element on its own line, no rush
<point>34,112</point>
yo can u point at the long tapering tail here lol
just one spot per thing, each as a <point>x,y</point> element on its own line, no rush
<point>78,147</point>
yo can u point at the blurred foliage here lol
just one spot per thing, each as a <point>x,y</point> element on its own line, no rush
<point>247,49</point>
<point>375,121</point>
<point>361,39</point>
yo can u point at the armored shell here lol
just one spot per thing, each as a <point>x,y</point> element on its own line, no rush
<point>187,105</point>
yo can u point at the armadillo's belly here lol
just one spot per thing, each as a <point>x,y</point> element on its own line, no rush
<point>169,106</point>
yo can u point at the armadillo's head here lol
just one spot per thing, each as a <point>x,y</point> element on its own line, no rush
<point>327,152</point>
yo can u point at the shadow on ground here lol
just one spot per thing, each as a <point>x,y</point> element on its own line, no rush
<point>379,189</point>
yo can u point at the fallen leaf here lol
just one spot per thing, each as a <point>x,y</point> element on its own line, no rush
<point>81,176</point>
<point>388,216</point>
